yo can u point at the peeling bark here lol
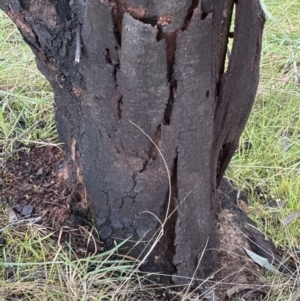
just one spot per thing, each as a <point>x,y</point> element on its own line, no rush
<point>159,65</point>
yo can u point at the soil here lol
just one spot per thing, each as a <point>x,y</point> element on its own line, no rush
<point>30,185</point>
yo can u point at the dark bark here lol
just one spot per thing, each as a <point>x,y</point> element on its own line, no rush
<point>161,66</point>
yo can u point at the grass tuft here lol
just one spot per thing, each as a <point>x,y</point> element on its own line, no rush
<point>33,266</point>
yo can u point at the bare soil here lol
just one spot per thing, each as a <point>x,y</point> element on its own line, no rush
<point>29,183</point>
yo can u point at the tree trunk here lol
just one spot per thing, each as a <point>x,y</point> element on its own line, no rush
<point>121,70</point>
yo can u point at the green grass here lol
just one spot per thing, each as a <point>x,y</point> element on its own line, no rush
<point>269,171</point>
<point>26,99</point>
<point>34,266</point>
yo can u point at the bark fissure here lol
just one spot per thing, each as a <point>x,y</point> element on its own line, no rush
<point>170,39</point>
<point>112,58</point>
<point>117,15</point>
<point>120,107</point>
<point>223,31</point>
<point>173,210</point>
<point>230,36</point>
<point>189,15</point>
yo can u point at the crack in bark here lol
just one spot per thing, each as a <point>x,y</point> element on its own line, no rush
<point>144,165</point>
<point>223,66</point>
<point>170,39</point>
<point>119,107</point>
<point>169,106</point>
<point>229,35</point>
<point>189,14</point>
<point>131,194</point>
<point>134,182</point>
<point>117,17</point>
<point>112,58</point>
<point>123,199</point>
<point>173,214</point>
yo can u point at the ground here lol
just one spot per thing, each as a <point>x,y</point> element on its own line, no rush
<point>31,185</point>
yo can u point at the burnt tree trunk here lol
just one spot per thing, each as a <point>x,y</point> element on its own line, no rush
<point>161,66</point>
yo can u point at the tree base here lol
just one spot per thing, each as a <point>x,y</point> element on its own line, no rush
<point>237,231</point>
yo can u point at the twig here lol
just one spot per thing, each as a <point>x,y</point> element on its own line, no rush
<point>78,44</point>
<point>33,220</point>
<point>3,155</point>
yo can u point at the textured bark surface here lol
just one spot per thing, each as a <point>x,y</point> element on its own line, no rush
<point>160,65</point>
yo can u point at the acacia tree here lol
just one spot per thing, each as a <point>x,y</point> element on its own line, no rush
<point>123,70</point>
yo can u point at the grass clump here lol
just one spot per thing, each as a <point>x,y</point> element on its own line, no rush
<point>34,266</point>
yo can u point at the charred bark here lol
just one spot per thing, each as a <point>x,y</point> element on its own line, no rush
<point>159,65</point>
